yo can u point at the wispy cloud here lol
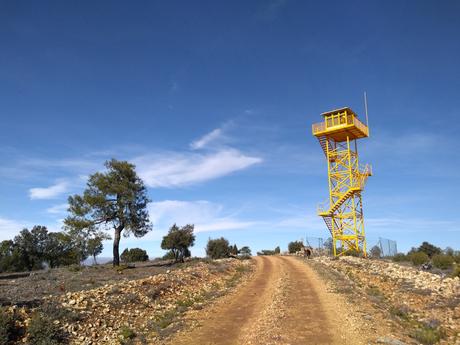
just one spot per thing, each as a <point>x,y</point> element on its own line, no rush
<point>395,224</point>
<point>180,169</point>
<point>50,192</point>
<point>206,216</point>
<point>58,209</point>
<point>206,139</point>
<point>9,228</point>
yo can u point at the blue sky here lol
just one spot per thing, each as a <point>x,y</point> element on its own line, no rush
<point>213,101</point>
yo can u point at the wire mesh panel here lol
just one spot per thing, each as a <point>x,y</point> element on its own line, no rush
<point>314,242</point>
<point>388,247</point>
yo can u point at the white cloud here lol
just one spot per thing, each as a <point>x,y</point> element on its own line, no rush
<point>10,228</point>
<point>50,192</point>
<point>410,224</point>
<point>205,215</point>
<point>58,209</point>
<point>206,139</point>
<point>175,169</point>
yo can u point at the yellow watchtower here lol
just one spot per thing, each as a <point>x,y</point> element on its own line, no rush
<point>343,211</point>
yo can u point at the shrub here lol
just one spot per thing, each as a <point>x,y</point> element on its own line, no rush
<point>353,252</point>
<point>442,261</point>
<point>218,248</point>
<point>134,255</point>
<point>457,257</point>
<point>127,333</point>
<point>400,257</point>
<point>42,331</point>
<point>427,335</point>
<point>75,268</point>
<point>456,272</point>
<point>295,246</point>
<point>234,250</point>
<point>429,249</point>
<point>277,250</point>
<point>376,252</point>
<point>7,327</point>
<point>419,258</point>
<point>56,311</point>
<point>245,252</point>
<point>266,252</point>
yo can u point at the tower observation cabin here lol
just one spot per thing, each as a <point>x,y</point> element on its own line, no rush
<point>343,211</point>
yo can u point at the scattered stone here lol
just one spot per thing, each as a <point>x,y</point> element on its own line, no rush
<point>389,341</point>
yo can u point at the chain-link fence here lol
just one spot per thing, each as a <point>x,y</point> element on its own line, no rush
<point>387,247</point>
<point>314,242</point>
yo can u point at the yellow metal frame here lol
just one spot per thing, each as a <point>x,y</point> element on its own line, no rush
<point>343,211</point>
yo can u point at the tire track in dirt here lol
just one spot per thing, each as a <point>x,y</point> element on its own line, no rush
<point>228,317</point>
<point>305,320</point>
<point>284,303</point>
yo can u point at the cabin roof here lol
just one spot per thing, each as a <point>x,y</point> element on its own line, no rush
<point>340,110</point>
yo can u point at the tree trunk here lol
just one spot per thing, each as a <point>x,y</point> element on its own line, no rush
<point>116,246</point>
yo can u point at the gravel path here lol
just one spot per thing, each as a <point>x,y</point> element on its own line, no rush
<point>284,303</point>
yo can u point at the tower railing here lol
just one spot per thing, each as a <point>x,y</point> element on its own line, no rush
<point>341,119</point>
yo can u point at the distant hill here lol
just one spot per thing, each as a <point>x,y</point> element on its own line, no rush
<point>100,260</point>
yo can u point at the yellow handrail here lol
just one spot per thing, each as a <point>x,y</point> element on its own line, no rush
<point>363,173</point>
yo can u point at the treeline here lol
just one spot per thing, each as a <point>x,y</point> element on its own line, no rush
<point>429,255</point>
<point>276,251</point>
<point>37,248</point>
<point>220,248</point>
<point>178,241</point>
<point>114,199</point>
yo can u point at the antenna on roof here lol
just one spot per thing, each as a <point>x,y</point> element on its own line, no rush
<point>365,107</point>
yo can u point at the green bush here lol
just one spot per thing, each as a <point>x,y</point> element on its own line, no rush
<point>375,252</point>
<point>400,257</point>
<point>457,257</point>
<point>427,335</point>
<point>218,248</point>
<point>134,255</point>
<point>456,272</point>
<point>419,258</point>
<point>295,246</point>
<point>442,261</point>
<point>353,252</point>
<point>8,331</point>
<point>55,311</point>
<point>266,252</point>
<point>429,249</point>
<point>127,333</point>
<point>245,253</point>
<point>42,331</point>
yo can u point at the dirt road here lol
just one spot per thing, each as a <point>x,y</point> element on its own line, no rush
<point>283,303</point>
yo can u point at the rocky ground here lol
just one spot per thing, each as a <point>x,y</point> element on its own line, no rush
<point>137,311</point>
<point>270,300</point>
<point>284,303</point>
<point>28,288</point>
<point>420,307</point>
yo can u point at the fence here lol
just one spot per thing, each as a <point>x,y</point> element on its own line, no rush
<point>314,242</point>
<point>387,247</point>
